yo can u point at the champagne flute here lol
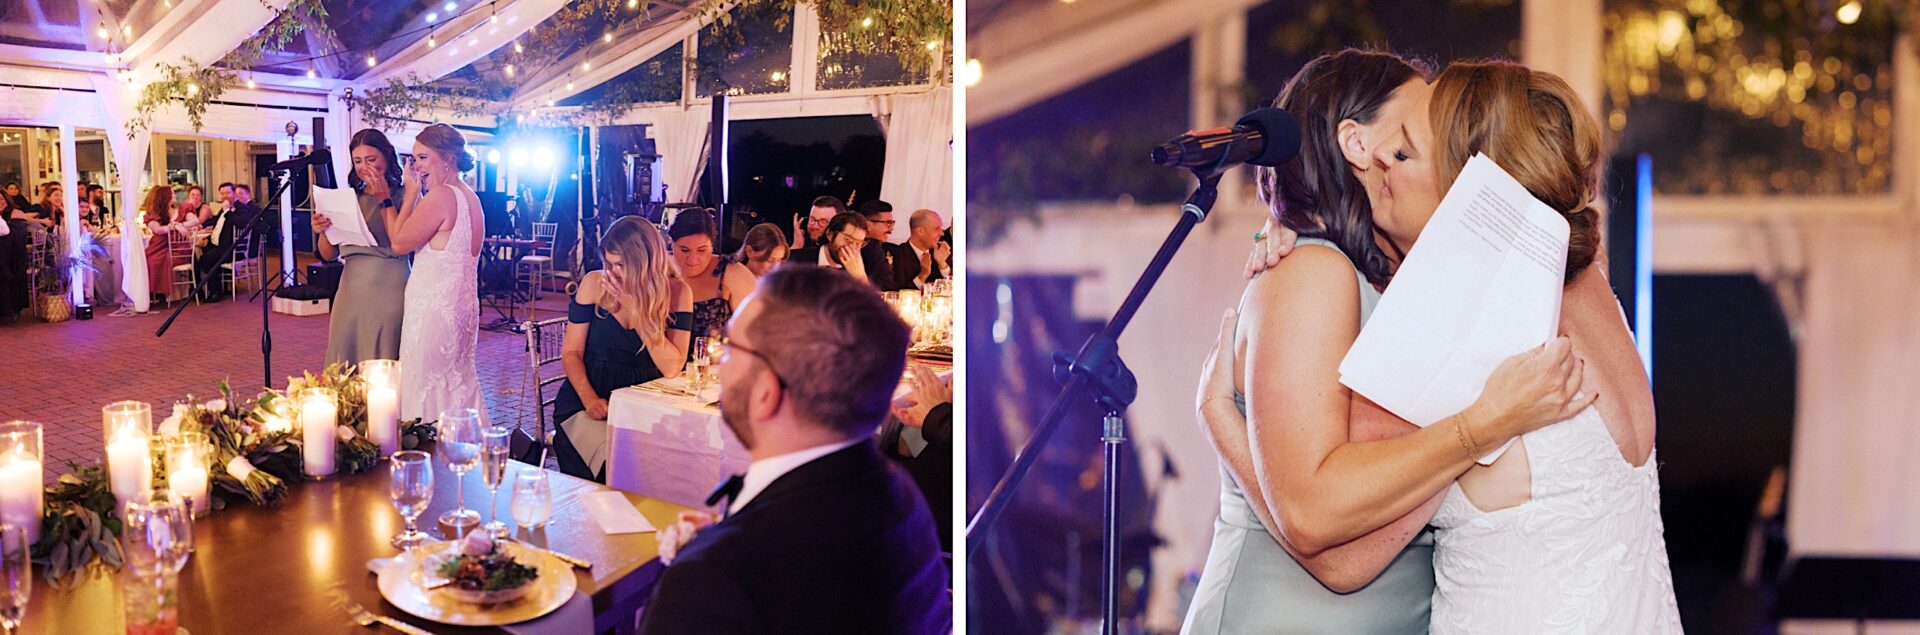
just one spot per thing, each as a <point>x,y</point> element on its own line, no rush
<point>493,469</point>
<point>532,499</point>
<point>16,576</point>
<point>697,367</point>
<point>459,446</point>
<point>411,488</point>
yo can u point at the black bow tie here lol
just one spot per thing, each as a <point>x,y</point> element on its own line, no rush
<point>726,492</point>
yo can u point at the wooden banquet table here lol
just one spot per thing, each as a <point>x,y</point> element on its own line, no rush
<point>280,570</point>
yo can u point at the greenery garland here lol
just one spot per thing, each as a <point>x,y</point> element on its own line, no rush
<point>248,463</point>
<point>195,86</point>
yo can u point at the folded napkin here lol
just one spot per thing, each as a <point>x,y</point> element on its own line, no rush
<point>614,513</point>
<point>576,616</point>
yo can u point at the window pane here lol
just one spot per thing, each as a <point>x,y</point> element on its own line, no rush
<point>843,67</point>
<point>1753,98</point>
<point>655,81</point>
<point>751,56</point>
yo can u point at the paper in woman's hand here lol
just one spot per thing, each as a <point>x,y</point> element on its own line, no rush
<point>342,206</point>
<point>1483,283</point>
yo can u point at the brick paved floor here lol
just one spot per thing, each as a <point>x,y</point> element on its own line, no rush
<point>62,374</point>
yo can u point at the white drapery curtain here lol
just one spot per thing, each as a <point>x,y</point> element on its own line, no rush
<point>130,154</point>
<point>680,137</point>
<point>1857,425</point>
<point>919,167</point>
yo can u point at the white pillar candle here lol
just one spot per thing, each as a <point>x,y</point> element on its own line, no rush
<point>22,486</point>
<point>317,422</point>
<point>383,418</point>
<point>22,483</point>
<point>189,483</point>
<point>130,469</point>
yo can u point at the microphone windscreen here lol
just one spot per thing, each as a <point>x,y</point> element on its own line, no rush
<point>1282,133</point>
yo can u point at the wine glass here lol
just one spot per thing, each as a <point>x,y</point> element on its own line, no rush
<point>697,367</point>
<point>411,488</point>
<point>532,499</point>
<point>493,469</point>
<point>158,537</point>
<point>460,447</point>
<point>16,576</point>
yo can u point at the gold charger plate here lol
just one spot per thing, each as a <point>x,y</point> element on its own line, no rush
<point>403,585</point>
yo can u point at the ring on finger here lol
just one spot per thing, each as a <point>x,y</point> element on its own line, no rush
<point>1259,236</point>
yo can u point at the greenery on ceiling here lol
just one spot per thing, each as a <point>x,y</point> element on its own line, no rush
<point>195,86</point>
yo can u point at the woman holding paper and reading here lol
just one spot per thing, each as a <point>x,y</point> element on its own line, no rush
<point>1324,497</point>
<point>1563,532</point>
<point>364,322</point>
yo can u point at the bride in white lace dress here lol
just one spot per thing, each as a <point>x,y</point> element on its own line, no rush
<point>442,324</point>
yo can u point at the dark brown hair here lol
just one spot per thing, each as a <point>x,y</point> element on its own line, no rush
<point>377,140</point>
<point>760,240</point>
<point>694,222</point>
<point>1317,193</point>
<point>837,345</point>
<point>1533,125</point>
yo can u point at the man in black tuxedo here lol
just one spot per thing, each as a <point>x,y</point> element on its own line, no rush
<point>926,256</point>
<point>811,230</point>
<point>208,262</point>
<point>877,253</point>
<point>824,535</point>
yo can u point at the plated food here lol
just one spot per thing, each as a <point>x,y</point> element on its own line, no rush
<point>480,571</point>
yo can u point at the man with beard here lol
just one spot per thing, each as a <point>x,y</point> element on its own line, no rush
<point>823,534</point>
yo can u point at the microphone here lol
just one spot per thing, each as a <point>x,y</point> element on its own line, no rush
<point>1268,137</point>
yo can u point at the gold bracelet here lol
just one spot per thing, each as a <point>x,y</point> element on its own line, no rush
<point>1466,439</point>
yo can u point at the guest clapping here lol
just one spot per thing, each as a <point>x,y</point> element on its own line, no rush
<point>718,283</point>
<point>763,249</point>
<point>628,324</point>
<point>920,439</point>
<point>824,535</point>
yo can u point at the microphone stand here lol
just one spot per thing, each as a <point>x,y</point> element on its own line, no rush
<point>1098,368</point>
<point>226,251</point>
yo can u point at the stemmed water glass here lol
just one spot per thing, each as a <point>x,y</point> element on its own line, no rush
<point>411,488</point>
<point>16,576</point>
<point>460,445</point>
<point>493,469</point>
<point>158,536</point>
<point>532,499</point>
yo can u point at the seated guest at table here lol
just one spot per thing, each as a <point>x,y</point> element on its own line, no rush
<point>845,235</point>
<point>718,283</point>
<point>764,248</point>
<point>920,438</point>
<point>49,212</point>
<point>97,197</point>
<point>877,253</point>
<point>824,534</point>
<point>369,307</point>
<point>225,223</point>
<point>924,257</point>
<point>162,217</point>
<point>16,197</point>
<point>196,206</point>
<point>822,212</point>
<point>628,324</point>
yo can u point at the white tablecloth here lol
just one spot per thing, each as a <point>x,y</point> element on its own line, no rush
<point>671,448</point>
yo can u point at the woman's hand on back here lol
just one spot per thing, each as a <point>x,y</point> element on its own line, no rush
<point>1533,389</point>
<point>1275,242</point>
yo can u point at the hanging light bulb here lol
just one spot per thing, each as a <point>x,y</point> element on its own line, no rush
<point>432,41</point>
<point>432,18</point>
<point>311,74</point>
<point>607,37</point>
<point>126,31</point>
<point>633,4</point>
<point>586,66</point>
<point>1848,13</point>
<point>452,7</point>
<point>509,70</point>
<point>866,22</point>
<point>517,48</point>
<point>101,31</point>
<point>192,89</point>
<point>370,61</point>
<point>569,87</point>
<point>250,82</point>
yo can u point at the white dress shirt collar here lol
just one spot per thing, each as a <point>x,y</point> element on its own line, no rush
<point>764,472</point>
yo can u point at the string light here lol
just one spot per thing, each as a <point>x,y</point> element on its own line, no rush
<point>633,4</point>
<point>370,61</point>
<point>452,7</point>
<point>101,31</point>
<point>126,31</point>
<point>1848,13</point>
<point>607,37</point>
<point>250,83</point>
<point>311,74</point>
<point>569,87</point>
<point>586,66</point>
<point>866,22</point>
<point>193,89</point>
<point>517,48</point>
<point>432,18</point>
<point>971,74</point>
<point>432,41</point>
<point>509,70</point>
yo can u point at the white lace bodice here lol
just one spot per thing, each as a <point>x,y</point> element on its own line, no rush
<point>1587,554</point>
<point>441,327</point>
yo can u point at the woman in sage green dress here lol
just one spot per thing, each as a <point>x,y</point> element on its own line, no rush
<point>367,309</point>
<point>1324,497</point>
